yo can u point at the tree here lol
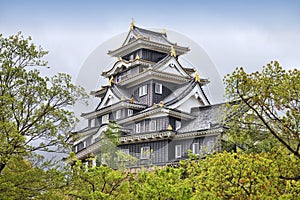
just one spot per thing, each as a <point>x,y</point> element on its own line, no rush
<point>109,153</point>
<point>35,113</point>
<point>266,108</point>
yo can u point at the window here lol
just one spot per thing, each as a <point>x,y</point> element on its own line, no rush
<point>138,127</point>
<point>178,151</point>
<point>92,123</point>
<point>178,125</point>
<point>196,148</point>
<point>152,125</point>
<point>105,118</point>
<point>145,152</point>
<point>130,112</point>
<point>210,146</point>
<point>158,88</point>
<point>143,90</point>
<point>118,114</point>
<point>124,155</point>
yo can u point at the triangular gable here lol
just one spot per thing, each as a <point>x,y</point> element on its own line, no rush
<point>108,99</point>
<point>194,97</point>
<point>130,37</point>
<point>172,66</point>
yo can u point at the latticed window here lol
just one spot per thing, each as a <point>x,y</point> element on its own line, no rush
<point>196,148</point>
<point>143,90</point>
<point>145,152</point>
<point>158,88</point>
<point>152,125</point>
<point>178,151</point>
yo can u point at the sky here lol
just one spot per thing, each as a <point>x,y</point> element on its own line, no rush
<point>232,33</point>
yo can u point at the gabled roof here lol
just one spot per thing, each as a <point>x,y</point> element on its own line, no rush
<point>138,32</point>
<point>169,64</point>
<point>138,38</point>
<point>207,117</point>
<point>185,91</point>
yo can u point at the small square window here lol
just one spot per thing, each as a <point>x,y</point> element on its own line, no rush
<point>118,114</point>
<point>105,118</point>
<point>138,127</point>
<point>158,88</point>
<point>130,112</point>
<point>178,151</point>
<point>145,152</point>
<point>152,125</point>
<point>143,90</point>
<point>125,154</point>
<point>196,148</point>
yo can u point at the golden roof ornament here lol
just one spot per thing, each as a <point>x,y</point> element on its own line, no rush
<point>197,77</point>
<point>161,104</point>
<point>132,24</point>
<point>164,31</point>
<point>120,58</point>
<point>111,81</point>
<point>131,100</point>
<point>150,67</point>
<point>137,57</point>
<point>154,105</point>
<point>170,128</point>
<point>122,98</point>
<point>173,52</point>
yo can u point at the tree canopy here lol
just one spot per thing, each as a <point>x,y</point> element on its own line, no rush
<point>35,110</point>
<point>266,108</point>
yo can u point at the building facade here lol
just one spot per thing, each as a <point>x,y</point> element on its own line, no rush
<point>159,105</point>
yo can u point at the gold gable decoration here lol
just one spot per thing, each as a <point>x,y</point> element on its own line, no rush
<point>131,100</point>
<point>137,57</point>
<point>170,128</point>
<point>161,104</point>
<point>197,77</point>
<point>173,52</point>
<point>154,105</point>
<point>132,24</point>
<point>111,81</point>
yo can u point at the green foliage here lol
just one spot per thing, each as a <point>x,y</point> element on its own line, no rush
<point>109,154</point>
<point>266,108</point>
<point>35,113</point>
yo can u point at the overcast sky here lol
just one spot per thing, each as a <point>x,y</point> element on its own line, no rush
<point>233,33</point>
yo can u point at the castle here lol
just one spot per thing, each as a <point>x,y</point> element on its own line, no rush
<point>159,105</point>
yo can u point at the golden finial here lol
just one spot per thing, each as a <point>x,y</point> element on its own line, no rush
<point>161,104</point>
<point>131,100</point>
<point>154,105</point>
<point>122,98</point>
<point>197,77</point>
<point>137,57</point>
<point>173,52</point>
<point>132,24</point>
<point>120,58</point>
<point>170,128</point>
<point>111,81</point>
<point>164,31</point>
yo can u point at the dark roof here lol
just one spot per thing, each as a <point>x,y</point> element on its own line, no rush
<point>180,92</point>
<point>152,35</point>
<point>207,117</point>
